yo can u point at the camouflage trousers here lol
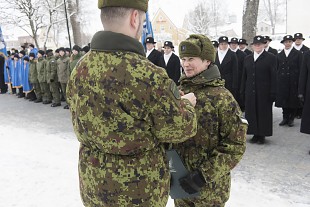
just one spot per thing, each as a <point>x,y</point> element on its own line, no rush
<point>54,88</point>
<point>63,90</point>
<point>37,90</point>
<point>108,180</point>
<point>47,96</point>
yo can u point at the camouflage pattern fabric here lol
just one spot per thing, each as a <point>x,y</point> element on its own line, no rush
<point>52,79</point>
<point>123,109</point>
<point>220,140</point>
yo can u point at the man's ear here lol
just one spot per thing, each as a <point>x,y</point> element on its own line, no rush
<point>134,19</point>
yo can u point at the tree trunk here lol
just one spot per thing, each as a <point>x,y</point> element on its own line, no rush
<point>249,19</point>
<point>75,22</point>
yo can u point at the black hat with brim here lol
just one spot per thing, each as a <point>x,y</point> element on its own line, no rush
<point>298,36</point>
<point>168,44</point>
<point>242,41</point>
<point>288,37</point>
<point>258,40</point>
<point>150,40</point>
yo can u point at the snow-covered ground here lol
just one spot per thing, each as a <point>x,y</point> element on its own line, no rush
<point>39,154</point>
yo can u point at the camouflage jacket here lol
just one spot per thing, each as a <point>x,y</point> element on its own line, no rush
<point>41,70</point>
<point>221,136</point>
<point>123,109</point>
<point>51,69</point>
<point>63,69</point>
<point>74,60</point>
<point>33,75</point>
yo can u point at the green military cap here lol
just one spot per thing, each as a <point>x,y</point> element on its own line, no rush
<point>197,45</point>
<point>136,4</point>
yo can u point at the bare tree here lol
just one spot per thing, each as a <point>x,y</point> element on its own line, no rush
<point>199,19</point>
<point>73,8</point>
<point>272,10</point>
<point>216,17</point>
<point>249,19</point>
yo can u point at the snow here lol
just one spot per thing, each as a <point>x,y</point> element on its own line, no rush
<point>39,157</point>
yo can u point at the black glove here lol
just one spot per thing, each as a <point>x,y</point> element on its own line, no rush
<point>193,182</point>
<point>301,99</point>
<point>51,80</point>
<point>273,97</point>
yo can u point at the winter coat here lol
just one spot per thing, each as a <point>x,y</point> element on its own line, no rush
<point>63,69</point>
<point>229,71</point>
<point>218,145</point>
<point>123,110</point>
<point>240,56</point>
<point>304,89</point>
<point>74,60</point>
<point>51,70</point>
<point>155,57</point>
<point>288,70</point>
<point>272,51</point>
<point>259,89</point>
<point>173,68</point>
<point>33,74</point>
<point>41,70</point>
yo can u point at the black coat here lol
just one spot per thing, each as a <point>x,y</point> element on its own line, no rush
<point>173,67</point>
<point>273,51</point>
<point>155,57</point>
<point>304,89</point>
<point>259,88</point>
<point>2,84</point>
<point>248,52</point>
<point>229,71</point>
<point>288,70</point>
<point>240,56</point>
<point>304,49</point>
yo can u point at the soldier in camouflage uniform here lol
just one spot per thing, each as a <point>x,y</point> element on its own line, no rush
<point>221,137</point>
<point>33,78</point>
<point>41,70</point>
<point>75,57</point>
<point>63,72</point>
<point>51,78</point>
<point>123,109</point>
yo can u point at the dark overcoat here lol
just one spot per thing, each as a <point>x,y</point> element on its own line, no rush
<point>304,49</point>
<point>288,70</point>
<point>259,87</point>
<point>304,89</point>
<point>240,56</point>
<point>155,57</point>
<point>173,67</point>
<point>229,71</point>
<point>248,52</point>
<point>273,51</point>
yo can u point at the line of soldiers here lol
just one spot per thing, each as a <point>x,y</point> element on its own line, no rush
<point>265,76</point>
<point>41,76</point>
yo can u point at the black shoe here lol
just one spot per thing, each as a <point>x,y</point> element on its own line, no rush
<point>32,99</point>
<point>55,104</point>
<point>38,101</point>
<point>47,102</point>
<point>66,107</point>
<point>261,140</point>
<point>62,99</point>
<point>290,123</point>
<point>254,139</point>
<point>283,122</point>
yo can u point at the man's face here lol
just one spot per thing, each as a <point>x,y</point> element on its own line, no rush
<point>242,46</point>
<point>298,41</point>
<point>75,52</point>
<point>288,44</point>
<point>61,53</point>
<point>31,58</point>
<point>194,65</point>
<point>233,46</point>
<point>258,47</point>
<point>150,46</point>
<point>167,50</point>
<point>39,55</point>
<point>223,46</point>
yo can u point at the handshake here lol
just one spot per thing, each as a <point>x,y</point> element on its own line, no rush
<point>190,96</point>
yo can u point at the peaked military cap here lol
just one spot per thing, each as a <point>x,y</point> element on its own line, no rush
<point>267,38</point>
<point>135,4</point>
<point>258,39</point>
<point>150,40</point>
<point>287,37</point>
<point>41,52</point>
<point>242,41</point>
<point>215,43</point>
<point>298,36</point>
<point>223,39</point>
<point>197,45</point>
<point>233,40</point>
<point>168,44</point>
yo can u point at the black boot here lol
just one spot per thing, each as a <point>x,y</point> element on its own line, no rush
<point>254,139</point>
<point>261,140</point>
<point>290,122</point>
<point>283,122</point>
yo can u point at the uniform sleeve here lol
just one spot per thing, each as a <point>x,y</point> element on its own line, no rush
<point>174,119</point>
<point>232,141</point>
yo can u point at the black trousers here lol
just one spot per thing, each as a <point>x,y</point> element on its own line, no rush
<point>289,113</point>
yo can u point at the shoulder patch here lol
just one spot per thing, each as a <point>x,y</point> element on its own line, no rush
<point>175,91</point>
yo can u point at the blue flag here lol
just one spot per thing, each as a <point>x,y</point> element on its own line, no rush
<point>147,29</point>
<point>2,44</point>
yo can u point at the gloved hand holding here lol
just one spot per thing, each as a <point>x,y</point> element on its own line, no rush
<point>301,99</point>
<point>193,182</point>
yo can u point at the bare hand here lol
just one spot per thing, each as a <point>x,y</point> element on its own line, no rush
<point>181,93</point>
<point>191,97</point>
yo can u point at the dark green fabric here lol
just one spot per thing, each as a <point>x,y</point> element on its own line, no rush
<point>136,4</point>
<point>117,42</point>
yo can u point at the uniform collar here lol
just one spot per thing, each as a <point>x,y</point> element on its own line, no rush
<point>111,41</point>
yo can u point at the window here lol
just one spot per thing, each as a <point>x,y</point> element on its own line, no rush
<point>262,29</point>
<point>162,28</point>
<point>266,29</point>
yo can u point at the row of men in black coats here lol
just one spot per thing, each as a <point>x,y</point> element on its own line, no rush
<point>256,79</point>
